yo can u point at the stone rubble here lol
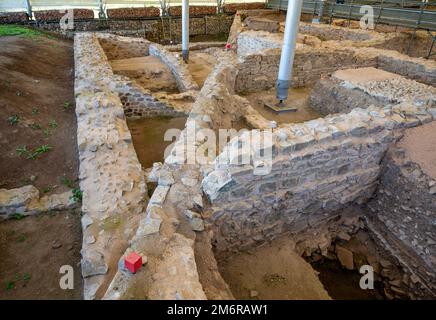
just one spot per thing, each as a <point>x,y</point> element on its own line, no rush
<point>26,201</point>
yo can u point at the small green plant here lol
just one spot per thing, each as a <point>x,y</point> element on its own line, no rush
<point>53,124</point>
<point>18,216</point>
<point>21,150</point>
<point>35,111</point>
<point>67,105</point>
<point>35,126</point>
<point>47,132</point>
<point>10,285</point>
<point>67,182</point>
<point>77,195</point>
<point>7,83</point>
<point>26,276</point>
<point>38,151</point>
<point>47,189</point>
<point>14,119</point>
<point>21,238</point>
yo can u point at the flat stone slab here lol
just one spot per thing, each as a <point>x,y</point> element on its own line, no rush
<point>362,75</point>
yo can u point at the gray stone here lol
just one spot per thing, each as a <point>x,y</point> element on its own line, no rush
<point>86,221</point>
<point>159,195</point>
<point>93,263</point>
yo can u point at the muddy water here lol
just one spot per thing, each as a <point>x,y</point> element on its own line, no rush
<point>297,98</point>
<point>148,137</point>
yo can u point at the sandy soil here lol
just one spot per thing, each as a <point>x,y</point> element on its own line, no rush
<point>148,137</point>
<point>274,271</point>
<point>419,144</point>
<point>200,66</point>
<point>31,252</point>
<point>36,84</point>
<point>297,98</point>
<point>149,72</point>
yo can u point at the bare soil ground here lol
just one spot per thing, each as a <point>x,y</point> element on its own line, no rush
<point>419,144</point>
<point>37,109</point>
<point>297,98</point>
<point>200,66</point>
<point>273,271</point>
<point>33,249</point>
<point>149,72</point>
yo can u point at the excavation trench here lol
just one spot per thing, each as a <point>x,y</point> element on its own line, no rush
<point>267,236</point>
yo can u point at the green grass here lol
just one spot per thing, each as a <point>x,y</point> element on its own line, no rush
<point>13,30</point>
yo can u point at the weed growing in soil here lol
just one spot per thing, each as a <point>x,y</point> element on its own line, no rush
<point>47,189</point>
<point>38,151</point>
<point>18,216</point>
<point>35,126</point>
<point>26,276</point>
<point>35,111</point>
<point>21,238</point>
<point>10,285</point>
<point>77,195</point>
<point>67,182</point>
<point>22,150</point>
<point>14,119</point>
<point>53,124</point>
<point>47,132</point>
<point>67,105</point>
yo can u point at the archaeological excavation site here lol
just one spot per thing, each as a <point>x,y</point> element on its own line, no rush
<point>218,150</point>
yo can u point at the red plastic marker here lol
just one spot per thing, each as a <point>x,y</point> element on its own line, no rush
<point>227,45</point>
<point>133,262</point>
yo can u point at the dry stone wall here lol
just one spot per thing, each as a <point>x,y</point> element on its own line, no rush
<point>110,174</point>
<point>338,94</point>
<point>318,166</point>
<point>403,214</point>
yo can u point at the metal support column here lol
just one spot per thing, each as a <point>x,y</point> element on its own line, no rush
<point>288,52</point>
<point>185,30</point>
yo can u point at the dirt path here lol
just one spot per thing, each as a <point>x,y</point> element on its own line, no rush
<point>36,109</point>
<point>37,118</point>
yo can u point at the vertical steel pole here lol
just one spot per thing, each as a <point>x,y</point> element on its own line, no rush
<point>288,50</point>
<point>185,30</point>
<point>29,9</point>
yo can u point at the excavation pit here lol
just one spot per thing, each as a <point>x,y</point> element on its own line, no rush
<point>297,98</point>
<point>205,218</point>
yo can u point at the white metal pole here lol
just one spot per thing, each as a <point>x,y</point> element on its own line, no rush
<point>185,30</point>
<point>288,50</point>
<point>29,9</point>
